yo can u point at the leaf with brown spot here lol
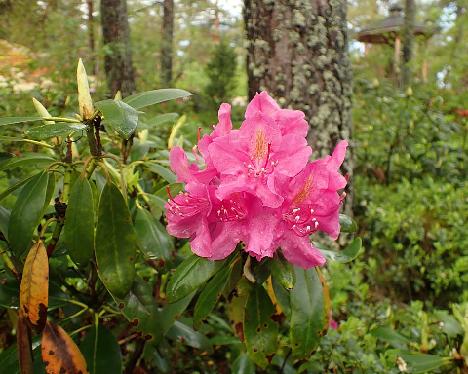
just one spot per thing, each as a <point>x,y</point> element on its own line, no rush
<point>34,288</point>
<point>60,353</point>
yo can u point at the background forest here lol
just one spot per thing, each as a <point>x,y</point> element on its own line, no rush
<point>400,306</point>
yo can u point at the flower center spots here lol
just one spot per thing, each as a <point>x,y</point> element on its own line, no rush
<point>261,162</point>
<point>185,205</point>
<point>230,210</point>
<point>304,192</point>
<point>302,220</point>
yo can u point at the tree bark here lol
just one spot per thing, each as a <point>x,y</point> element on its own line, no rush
<point>167,43</point>
<point>116,39</point>
<point>91,35</point>
<point>297,51</point>
<point>408,32</point>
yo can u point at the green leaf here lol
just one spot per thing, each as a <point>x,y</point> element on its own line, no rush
<point>163,172</point>
<point>189,275</point>
<point>243,365</point>
<point>119,116</point>
<point>210,294</point>
<point>144,99</point>
<point>13,120</point>
<point>347,224</point>
<point>283,272</point>
<point>14,187</point>
<point>78,234</point>
<point>390,336</point>
<point>101,351</point>
<point>307,312</point>
<point>56,129</point>
<point>184,333</point>
<point>29,159</point>
<point>153,238</point>
<point>162,119</point>
<point>422,363</point>
<point>27,212</point>
<point>4,219</point>
<point>348,254</point>
<point>115,242</point>
<point>260,331</point>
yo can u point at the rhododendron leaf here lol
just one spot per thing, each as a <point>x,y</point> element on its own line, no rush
<point>153,238</point>
<point>261,270</point>
<point>119,116</point>
<point>101,351</point>
<point>56,129</point>
<point>163,172</point>
<point>282,297</point>
<point>14,120</point>
<point>390,336</point>
<point>243,365</point>
<point>307,312</point>
<point>260,331</point>
<point>351,251</point>
<point>144,99</point>
<point>283,272</point>
<point>189,275</point>
<point>36,160</point>
<point>347,224</point>
<point>115,242</point>
<point>184,333</point>
<point>27,212</point>
<point>78,231</point>
<point>210,294</point>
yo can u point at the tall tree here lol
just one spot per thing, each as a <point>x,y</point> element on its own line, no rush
<point>297,50</point>
<point>91,35</point>
<point>408,36</point>
<point>116,39</point>
<point>167,42</point>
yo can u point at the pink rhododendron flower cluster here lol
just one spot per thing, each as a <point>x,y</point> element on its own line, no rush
<point>257,186</point>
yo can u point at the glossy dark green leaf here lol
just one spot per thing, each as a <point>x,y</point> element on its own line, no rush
<point>189,275</point>
<point>154,241</point>
<point>210,294</point>
<point>14,187</point>
<point>347,224</point>
<point>188,336</point>
<point>13,120</point>
<point>390,336</point>
<point>27,212</point>
<point>36,160</point>
<point>283,272</point>
<point>422,363</point>
<point>101,351</point>
<point>119,116</point>
<point>282,297</point>
<point>78,231</point>
<point>163,172</point>
<point>4,219</point>
<point>115,242</point>
<point>260,331</point>
<point>144,99</point>
<point>55,129</point>
<point>351,251</point>
<point>307,312</point>
<point>243,365</point>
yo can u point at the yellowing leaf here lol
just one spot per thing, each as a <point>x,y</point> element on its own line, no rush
<point>60,353</point>
<point>84,97</point>
<point>34,288</point>
<point>172,137</point>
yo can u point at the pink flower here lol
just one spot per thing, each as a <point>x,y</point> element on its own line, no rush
<point>257,187</point>
<point>263,150</point>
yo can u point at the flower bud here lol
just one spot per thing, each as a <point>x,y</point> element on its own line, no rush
<point>84,97</point>
<point>42,111</point>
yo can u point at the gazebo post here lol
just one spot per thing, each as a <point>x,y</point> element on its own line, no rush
<point>396,56</point>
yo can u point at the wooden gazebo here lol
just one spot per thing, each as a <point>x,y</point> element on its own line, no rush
<point>389,31</point>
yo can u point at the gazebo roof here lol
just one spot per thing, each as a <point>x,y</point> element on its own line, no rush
<point>385,30</point>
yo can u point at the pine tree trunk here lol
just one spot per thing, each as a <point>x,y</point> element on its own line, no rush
<point>167,43</point>
<point>407,43</point>
<point>91,35</point>
<point>297,51</point>
<point>116,38</point>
